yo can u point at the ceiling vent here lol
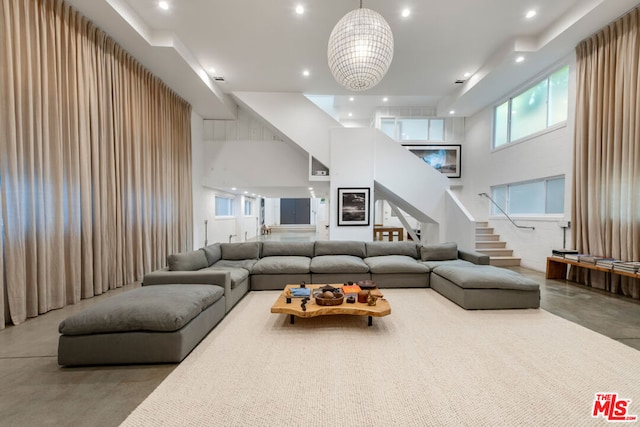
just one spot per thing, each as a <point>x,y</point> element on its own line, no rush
<point>459,82</point>
<point>219,79</point>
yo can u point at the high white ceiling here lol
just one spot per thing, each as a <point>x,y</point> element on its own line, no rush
<point>264,45</point>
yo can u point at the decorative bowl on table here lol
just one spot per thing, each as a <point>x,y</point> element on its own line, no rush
<point>328,296</point>
<point>366,284</point>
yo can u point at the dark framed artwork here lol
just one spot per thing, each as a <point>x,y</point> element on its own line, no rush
<point>444,158</point>
<point>353,206</point>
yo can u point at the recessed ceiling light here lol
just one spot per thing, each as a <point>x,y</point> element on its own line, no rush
<point>452,112</point>
<point>305,73</point>
<point>164,5</point>
<point>405,13</point>
<point>351,98</point>
<point>299,9</point>
<point>385,99</point>
<point>350,114</point>
<point>467,74</point>
<point>530,14</point>
<point>233,188</point>
<point>212,70</point>
<point>520,59</point>
<point>310,188</point>
<point>246,192</point>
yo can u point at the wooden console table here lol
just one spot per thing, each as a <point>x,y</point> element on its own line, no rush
<point>557,268</point>
<point>378,233</point>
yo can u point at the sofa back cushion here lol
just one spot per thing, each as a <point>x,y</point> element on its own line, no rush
<point>187,261</point>
<point>287,249</point>
<point>346,247</point>
<point>439,252</point>
<point>392,248</point>
<point>247,250</point>
<point>213,253</point>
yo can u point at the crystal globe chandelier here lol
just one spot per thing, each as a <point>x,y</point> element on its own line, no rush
<point>360,49</point>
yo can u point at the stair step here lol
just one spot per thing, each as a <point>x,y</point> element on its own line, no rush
<point>504,261</point>
<point>484,230</point>
<point>487,237</point>
<point>482,224</point>
<point>496,252</point>
<point>491,245</point>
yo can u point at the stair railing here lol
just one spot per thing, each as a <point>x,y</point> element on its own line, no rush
<point>504,213</point>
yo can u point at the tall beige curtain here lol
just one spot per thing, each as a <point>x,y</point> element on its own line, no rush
<point>606,196</point>
<point>95,166</point>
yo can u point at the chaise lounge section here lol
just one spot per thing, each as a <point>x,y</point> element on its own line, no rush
<point>156,324</point>
<point>485,287</point>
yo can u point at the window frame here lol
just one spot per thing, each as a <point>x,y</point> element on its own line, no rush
<point>509,100</point>
<point>230,211</point>
<point>247,202</point>
<point>396,119</point>
<point>495,213</point>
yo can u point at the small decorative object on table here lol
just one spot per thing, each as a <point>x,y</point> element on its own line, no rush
<point>371,299</point>
<point>328,295</point>
<point>362,296</point>
<point>367,284</point>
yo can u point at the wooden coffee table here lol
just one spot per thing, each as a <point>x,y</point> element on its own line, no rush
<point>294,308</point>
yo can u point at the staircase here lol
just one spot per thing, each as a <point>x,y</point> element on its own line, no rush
<point>489,243</point>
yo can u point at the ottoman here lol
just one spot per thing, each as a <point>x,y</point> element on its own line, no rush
<point>153,324</point>
<point>485,287</point>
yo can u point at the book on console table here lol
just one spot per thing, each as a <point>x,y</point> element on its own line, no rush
<point>629,266</point>
<point>592,259</point>
<point>607,262</point>
<point>573,256</point>
<point>561,253</point>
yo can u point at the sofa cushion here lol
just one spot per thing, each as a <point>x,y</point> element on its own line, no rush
<point>237,275</point>
<point>304,249</point>
<point>353,248</point>
<point>151,308</point>
<point>392,248</point>
<point>439,252</point>
<point>485,277</point>
<point>282,265</point>
<point>235,251</point>
<point>187,261</point>
<point>434,264</point>
<point>247,264</point>
<point>338,264</point>
<point>213,253</point>
<point>395,264</point>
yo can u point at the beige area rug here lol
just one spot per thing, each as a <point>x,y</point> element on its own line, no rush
<point>430,363</point>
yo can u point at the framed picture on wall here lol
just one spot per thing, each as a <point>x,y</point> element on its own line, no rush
<point>444,158</point>
<point>353,206</point>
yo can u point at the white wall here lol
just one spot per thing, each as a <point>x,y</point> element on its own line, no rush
<point>546,155</point>
<point>352,166</point>
<point>294,116</point>
<point>204,164</point>
<point>197,166</point>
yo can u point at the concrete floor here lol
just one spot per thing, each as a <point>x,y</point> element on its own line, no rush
<point>36,391</point>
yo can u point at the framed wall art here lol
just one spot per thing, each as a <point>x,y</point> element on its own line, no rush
<point>444,158</point>
<point>353,206</point>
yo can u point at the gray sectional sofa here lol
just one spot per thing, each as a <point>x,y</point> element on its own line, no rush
<point>158,324</point>
<point>240,267</point>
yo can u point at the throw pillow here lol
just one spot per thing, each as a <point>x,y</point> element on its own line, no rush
<point>439,252</point>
